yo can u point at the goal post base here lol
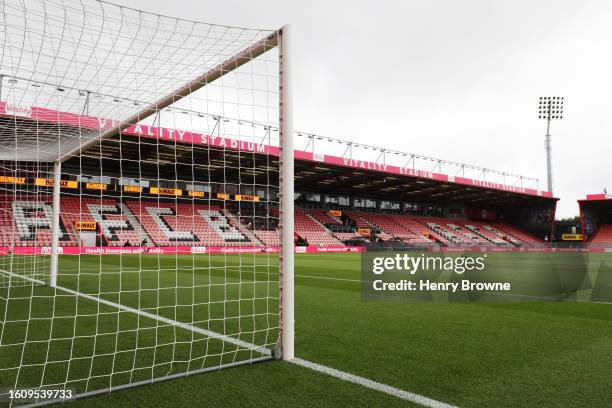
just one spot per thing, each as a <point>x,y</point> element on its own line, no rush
<point>277,352</point>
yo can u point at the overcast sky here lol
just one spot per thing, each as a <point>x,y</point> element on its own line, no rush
<point>459,80</point>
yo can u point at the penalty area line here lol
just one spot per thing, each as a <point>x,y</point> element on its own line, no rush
<point>365,382</point>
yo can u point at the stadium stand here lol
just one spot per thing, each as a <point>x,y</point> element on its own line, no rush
<point>360,221</point>
<point>181,223</point>
<point>396,226</point>
<point>602,238</point>
<point>487,232</point>
<point>26,222</point>
<point>596,220</point>
<point>517,236</point>
<point>116,223</point>
<point>311,230</point>
<point>324,217</point>
<point>348,236</point>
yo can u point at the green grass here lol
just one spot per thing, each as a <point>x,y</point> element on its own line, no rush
<point>470,354</point>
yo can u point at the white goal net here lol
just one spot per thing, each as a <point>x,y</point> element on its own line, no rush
<point>141,206</point>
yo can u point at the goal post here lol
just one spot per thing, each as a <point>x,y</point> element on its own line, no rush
<point>146,198</point>
<point>287,199</point>
<point>57,177</point>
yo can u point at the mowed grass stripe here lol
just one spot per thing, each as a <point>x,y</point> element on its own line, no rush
<point>476,354</point>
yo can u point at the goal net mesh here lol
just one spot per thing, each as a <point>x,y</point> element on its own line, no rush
<point>163,135</point>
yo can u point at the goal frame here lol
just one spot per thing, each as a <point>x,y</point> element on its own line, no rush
<point>281,39</point>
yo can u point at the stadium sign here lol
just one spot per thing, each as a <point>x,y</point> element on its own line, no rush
<point>12,180</point>
<point>572,237</point>
<point>195,138</point>
<point>335,213</point>
<point>366,165</point>
<point>43,182</point>
<point>242,197</point>
<point>85,225</point>
<point>175,192</point>
<point>132,189</point>
<point>500,186</point>
<point>197,194</point>
<point>364,231</point>
<point>96,186</point>
<point>223,196</point>
<point>16,110</point>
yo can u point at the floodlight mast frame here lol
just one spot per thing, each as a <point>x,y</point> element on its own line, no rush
<point>550,107</point>
<point>281,39</point>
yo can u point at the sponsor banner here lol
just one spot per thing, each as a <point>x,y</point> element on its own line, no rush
<point>314,249</point>
<point>132,189</point>
<point>335,213</point>
<point>96,186</point>
<point>251,249</point>
<point>16,110</point>
<point>85,225</point>
<point>12,180</point>
<point>183,136</point>
<point>44,182</point>
<point>174,192</point>
<point>364,231</point>
<point>50,115</point>
<point>197,194</point>
<point>223,196</point>
<point>169,250</point>
<point>572,237</point>
<point>242,197</point>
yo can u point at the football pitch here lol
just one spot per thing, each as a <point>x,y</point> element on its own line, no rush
<point>465,354</point>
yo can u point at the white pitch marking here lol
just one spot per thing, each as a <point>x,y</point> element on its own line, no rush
<point>365,382</point>
<point>329,278</point>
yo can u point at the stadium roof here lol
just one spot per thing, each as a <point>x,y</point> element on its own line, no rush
<point>376,184</point>
<point>596,202</point>
<point>236,160</point>
<point>598,197</point>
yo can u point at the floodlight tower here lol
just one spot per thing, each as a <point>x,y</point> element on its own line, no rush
<point>550,107</point>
